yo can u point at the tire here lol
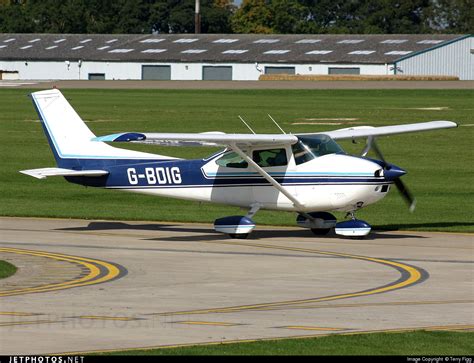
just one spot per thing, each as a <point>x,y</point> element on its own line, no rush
<point>320,231</point>
<point>239,235</point>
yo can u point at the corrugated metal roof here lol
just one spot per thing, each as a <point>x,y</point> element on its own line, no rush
<point>235,48</point>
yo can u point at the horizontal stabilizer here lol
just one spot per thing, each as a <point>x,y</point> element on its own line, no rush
<point>45,172</point>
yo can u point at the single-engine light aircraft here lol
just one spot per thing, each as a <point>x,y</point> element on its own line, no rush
<point>308,174</point>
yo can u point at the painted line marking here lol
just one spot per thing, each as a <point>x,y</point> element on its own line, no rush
<point>450,327</point>
<point>97,272</point>
<point>395,303</point>
<point>410,275</point>
<point>13,313</point>
<point>213,323</point>
<point>33,322</point>
<point>317,328</point>
<point>119,318</point>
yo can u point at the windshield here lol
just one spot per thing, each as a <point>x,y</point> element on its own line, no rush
<point>311,146</point>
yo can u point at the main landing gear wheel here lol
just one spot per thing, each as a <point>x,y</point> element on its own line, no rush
<point>320,231</point>
<point>239,235</point>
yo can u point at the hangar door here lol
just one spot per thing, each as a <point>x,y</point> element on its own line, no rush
<point>344,71</point>
<point>156,73</point>
<point>217,73</point>
<point>279,70</point>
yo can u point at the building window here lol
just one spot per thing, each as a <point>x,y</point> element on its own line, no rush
<point>96,76</point>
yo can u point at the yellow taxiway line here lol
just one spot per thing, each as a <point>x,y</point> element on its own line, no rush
<point>410,276</point>
<point>98,272</point>
<point>213,323</point>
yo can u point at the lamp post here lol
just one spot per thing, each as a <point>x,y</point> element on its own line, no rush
<point>197,17</point>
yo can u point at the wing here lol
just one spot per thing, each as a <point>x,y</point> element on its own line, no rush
<point>246,140</point>
<point>202,139</point>
<point>366,131</point>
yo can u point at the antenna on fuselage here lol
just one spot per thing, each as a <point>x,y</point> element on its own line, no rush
<point>246,124</point>
<point>271,118</point>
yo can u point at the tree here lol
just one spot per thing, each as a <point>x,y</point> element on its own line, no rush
<point>452,16</point>
<point>292,17</point>
<point>253,16</point>
<point>52,16</point>
<point>15,18</point>
<point>394,16</point>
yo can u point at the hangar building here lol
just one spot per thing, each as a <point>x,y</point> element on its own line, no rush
<point>230,56</point>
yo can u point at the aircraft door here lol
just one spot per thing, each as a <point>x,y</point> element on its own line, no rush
<point>275,162</point>
<point>231,180</point>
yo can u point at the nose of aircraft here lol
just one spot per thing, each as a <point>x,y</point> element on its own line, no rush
<point>393,172</point>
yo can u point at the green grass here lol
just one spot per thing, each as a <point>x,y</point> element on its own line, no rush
<point>439,162</point>
<point>6,269</point>
<point>419,343</point>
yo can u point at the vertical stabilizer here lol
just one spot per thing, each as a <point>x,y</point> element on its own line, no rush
<point>68,135</point>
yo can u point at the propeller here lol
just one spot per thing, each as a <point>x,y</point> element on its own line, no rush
<point>393,173</point>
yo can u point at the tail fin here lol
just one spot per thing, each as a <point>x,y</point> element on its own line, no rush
<point>69,137</point>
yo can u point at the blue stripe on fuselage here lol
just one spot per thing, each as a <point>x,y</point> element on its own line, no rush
<point>142,174</point>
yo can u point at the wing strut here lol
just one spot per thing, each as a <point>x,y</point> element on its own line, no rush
<point>267,176</point>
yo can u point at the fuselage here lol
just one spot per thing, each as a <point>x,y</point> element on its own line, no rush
<point>325,182</point>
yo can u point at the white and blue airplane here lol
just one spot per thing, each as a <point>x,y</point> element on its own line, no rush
<point>308,174</point>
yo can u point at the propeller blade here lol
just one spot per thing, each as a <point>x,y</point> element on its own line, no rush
<point>394,174</point>
<point>406,194</point>
<point>379,154</point>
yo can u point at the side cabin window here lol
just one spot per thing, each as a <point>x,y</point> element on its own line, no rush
<point>271,157</point>
<point>232,160</point>
<point>312,146</point>
<point>264,158</point>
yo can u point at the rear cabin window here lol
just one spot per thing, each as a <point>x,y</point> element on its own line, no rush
<point>232,160</point>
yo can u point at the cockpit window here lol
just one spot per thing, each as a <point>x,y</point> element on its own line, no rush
<point>309,147</point>
<point>232,160</point>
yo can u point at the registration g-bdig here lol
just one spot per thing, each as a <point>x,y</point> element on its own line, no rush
<point>161,175</point>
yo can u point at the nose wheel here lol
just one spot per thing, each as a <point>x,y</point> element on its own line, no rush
<point>320,223</point>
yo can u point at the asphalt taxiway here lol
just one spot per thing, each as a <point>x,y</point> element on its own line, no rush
<point>105,285</point>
